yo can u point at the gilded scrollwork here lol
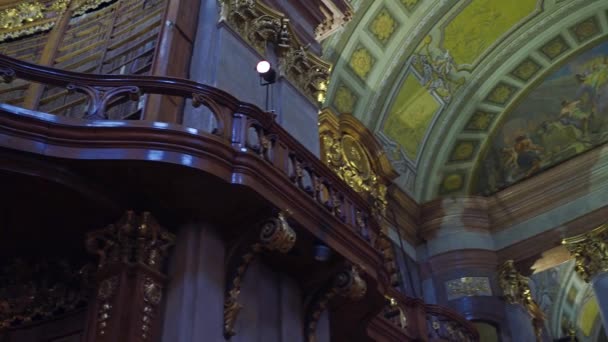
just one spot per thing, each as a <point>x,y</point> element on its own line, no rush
<point>516,290</point>
<point>275,235</point>
<point>349,160</point>
<point>258,25</point>
<point>590,252</point>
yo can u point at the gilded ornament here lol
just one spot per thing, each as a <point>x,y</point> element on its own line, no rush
<point>258,25</point>
<point>501,94</point>
<point>555,47</point>
<point>383,26</point>
<point>480,121</point>
<point>586,29</point>
<point>152,291</point>
<point>463,151</point>
<point>590,252</point>
<point>361,62</point>
<point>409,3</point>
<point>516,290</point>
<point>107,288</point>
<point>526,70</point>
<point>344,100</point>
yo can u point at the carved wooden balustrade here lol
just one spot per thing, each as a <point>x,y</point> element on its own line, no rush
<point>247,128</point>
<point>446,325</point>
<point>406,318</point>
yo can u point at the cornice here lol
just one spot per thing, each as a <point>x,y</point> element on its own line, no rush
<point>258,24</point>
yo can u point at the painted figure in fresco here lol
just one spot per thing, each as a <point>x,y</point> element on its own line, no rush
<point>436,70</point>
<point>571,114</point>
<point>593,84</point>
<point>528,157</point>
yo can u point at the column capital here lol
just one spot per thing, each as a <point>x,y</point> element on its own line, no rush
<point>590,252</point>
<point>516,290</point>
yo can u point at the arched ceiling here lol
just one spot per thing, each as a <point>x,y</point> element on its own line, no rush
<point>471,96</point>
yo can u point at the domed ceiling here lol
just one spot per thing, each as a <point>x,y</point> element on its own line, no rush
<point>471,96</point>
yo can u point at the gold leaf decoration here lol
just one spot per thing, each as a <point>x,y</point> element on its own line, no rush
<point>383,26</point>
<point>361,62</point>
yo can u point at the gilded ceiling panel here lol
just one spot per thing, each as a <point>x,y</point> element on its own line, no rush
<point>383,26</point>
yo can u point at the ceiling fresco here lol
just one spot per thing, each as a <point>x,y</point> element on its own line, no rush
<point>563,116</point>
<point>568,303</point>
<point>448,85</point>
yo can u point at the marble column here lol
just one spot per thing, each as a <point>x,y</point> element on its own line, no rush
<point>590,251</point>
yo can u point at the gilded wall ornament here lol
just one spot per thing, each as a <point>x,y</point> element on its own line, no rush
<point>259,25</point>
<point>590,252</point>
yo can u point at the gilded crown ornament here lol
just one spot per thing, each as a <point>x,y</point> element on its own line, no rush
<point>590,252</point>
<point>133,239</point>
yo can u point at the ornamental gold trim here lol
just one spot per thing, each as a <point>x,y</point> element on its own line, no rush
<point>258,25</point>
<point>590,252</point>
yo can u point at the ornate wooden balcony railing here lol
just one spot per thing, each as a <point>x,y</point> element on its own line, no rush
<point>412,318</point>
<point>244,126</point>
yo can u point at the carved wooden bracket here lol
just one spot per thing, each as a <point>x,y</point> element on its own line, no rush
<point>275,235</point>
<point>99,97</point>
<point>8,75</point>
<point>347,283</point>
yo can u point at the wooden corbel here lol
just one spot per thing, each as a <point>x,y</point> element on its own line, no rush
<point>275,235</point>
<point>346,283</point>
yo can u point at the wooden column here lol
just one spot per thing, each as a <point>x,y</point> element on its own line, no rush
<point>129,281</point>
<point>35,90</point>
<point>172,57</point>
